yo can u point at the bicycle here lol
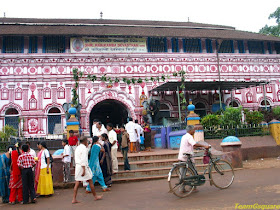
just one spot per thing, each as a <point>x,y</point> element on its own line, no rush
<point>183,178</point>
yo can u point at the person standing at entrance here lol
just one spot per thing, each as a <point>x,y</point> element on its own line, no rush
<point>132,131</point>
<point>112,135</point>
<point>100,129</point>
<point>73,143</point>
<point>139,132</point>
<point>125,143</point>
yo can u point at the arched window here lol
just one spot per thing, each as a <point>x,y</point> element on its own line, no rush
<point>11,117</point>
<point>18,94</point>
<point>278,95</point>
<point>32,104</point>
<point>54,121</point>
<point>61,93</point>
<point>249,97</point>
<point>233,104</point>
<point>265,104</point>
<point>47,93</point>
<point>5,94</point>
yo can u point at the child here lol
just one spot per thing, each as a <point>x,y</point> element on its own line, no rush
<point>66,160</point>
<point>125,143</point>
<point>73,143</point>
<point>26,162</point>
<point>82,170</point>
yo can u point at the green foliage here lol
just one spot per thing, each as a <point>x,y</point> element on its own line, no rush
<point>273,30</point>
<point>211,120</point>
<point>253,117</point>
<point>232,116</point>
<point>7,132</point>
<point>276,112</point>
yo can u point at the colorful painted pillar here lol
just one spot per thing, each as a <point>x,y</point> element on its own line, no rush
<point>72,123</point>
<point>194,119</point>
<point>274,127</point>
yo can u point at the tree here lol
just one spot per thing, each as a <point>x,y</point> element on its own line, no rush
<point>253,117</point>
<point>272,30</point>
<point>232,117</point>
<point>7,132</point>
<point>211,120</point>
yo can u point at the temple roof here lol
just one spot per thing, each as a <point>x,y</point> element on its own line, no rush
<point>139,28</point>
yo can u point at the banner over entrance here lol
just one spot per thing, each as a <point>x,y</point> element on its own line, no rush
<point>108,45</point>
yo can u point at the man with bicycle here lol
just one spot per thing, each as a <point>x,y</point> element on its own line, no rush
<point>187,145</point>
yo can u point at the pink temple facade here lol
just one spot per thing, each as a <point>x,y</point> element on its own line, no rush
<point>34,86</point>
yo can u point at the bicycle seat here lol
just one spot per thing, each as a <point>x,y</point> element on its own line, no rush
<point>187,154</point>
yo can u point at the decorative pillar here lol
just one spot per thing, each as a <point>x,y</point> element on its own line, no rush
<point>25,88</point>
<point>274,127</point>
<point>40,44</point>
<point>68,92</point>
<point>203,45</point>
<point>54,92</point>
<point>11,93</point>
<point>1,44</point>
<point>246,46</point>
<point>40,96</point>
<point>180,43</point>
<point>26,44</point>
<point>194,119</point>
<point>83,93</point>
<point>235,46</point>
<point>72,123</point>
<point>136,89</point>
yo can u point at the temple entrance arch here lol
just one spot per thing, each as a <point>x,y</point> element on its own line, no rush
<point>100,102</point>
<point>110,111</point>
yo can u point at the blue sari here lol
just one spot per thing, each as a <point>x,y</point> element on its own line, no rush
<point>4,178</point>
<point>95,166</point>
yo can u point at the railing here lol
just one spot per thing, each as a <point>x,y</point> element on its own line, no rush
<point>178,126</point>
<point>239,131</point>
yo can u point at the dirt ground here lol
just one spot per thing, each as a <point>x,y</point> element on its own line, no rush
<point>258,182</point>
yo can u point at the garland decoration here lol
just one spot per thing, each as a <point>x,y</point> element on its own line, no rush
<point>78,75</point>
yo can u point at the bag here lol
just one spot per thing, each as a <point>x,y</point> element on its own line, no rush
<point>51,158</point>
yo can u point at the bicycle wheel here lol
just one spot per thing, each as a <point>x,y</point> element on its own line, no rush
<point>222,174</point>
<point>176,183</point>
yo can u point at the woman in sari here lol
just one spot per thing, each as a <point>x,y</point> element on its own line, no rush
<point>45,183</point>
<point>147,136</point>
<point>106,160</point>
<point>5,162</point>
<point>38,166</point>
<point>95,165</point>
<point>15,184</point>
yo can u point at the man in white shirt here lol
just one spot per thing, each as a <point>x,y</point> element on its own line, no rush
<point>66,159</point>
<point>130,127</point>
<point>99,130</point>
<point>188,143</point>
<point>82,170</point>
<point>139,132</point>
<point>112,136</point>
<point>186,146</point>
<point>31,151</point>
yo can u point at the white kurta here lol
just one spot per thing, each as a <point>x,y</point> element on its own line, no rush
<point>139,131</point>
<point>130,128</point>
<point>98,132</point>
<point>81,159</point>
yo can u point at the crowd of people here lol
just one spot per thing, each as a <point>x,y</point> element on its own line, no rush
<point>25,175</point>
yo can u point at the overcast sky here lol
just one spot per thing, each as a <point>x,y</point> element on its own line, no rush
<point>248,15</point>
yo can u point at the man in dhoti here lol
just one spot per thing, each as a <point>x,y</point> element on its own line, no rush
<point>82,170</point>
<point>132,131</point>
<point>139,132</point>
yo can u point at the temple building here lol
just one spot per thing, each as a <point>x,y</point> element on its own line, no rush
<point>37,57</point>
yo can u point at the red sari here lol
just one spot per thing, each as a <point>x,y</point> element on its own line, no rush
<point>37,170</point>
<point>15,184</point>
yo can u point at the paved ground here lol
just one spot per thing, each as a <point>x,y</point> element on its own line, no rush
<point>258,183</point>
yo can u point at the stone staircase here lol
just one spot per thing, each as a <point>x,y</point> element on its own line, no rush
<point>150,165</point>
